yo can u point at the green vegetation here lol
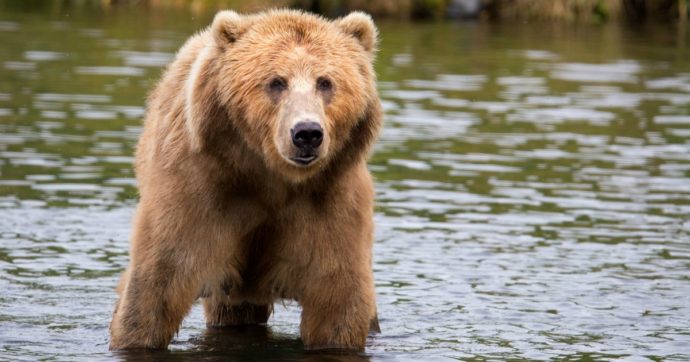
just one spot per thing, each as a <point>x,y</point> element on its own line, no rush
<point>550,10</point>
<point>494,10</point>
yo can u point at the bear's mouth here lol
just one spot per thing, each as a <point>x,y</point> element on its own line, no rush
<point>303,160</point>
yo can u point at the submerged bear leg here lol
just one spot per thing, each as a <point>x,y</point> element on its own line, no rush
<point>338,312</point>
<point>152,304</point>
<point>220,312</point>
<point>158,289</point>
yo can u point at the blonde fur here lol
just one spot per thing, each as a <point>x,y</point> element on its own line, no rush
<point>224,215</point>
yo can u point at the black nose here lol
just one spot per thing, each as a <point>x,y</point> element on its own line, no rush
<point>307,134</point>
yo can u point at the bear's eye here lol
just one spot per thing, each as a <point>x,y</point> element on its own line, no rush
<point>277,84</point>
<point>324,84</point>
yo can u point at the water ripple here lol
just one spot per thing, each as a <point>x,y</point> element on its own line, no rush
<point>533,192</point>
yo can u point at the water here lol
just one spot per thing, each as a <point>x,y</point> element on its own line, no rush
<point>533,188</point>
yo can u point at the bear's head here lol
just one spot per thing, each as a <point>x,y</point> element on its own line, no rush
<point>300,90</point>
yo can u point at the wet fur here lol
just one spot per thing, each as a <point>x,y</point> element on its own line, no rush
<point>221,217</point>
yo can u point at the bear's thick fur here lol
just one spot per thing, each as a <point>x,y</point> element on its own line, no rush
<point>253,182</point>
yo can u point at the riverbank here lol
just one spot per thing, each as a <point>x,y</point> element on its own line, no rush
<point>494,10</point>
<point>584,11</point>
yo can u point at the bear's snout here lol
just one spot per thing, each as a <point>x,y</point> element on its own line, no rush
<point>306,137</point>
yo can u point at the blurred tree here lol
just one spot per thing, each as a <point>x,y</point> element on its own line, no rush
<point>555,10</point>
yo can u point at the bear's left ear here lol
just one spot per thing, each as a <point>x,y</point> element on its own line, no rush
<point>360,26</point>
<point>228,26</point>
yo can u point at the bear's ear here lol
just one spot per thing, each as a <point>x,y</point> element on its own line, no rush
<point>360,26</point>
<point>228,26</point>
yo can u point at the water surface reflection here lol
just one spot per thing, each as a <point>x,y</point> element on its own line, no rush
<point>533,190</point>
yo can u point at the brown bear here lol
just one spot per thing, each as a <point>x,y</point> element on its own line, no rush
<point>253,182</point>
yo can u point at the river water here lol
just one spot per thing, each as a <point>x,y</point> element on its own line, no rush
<point>533,189</point>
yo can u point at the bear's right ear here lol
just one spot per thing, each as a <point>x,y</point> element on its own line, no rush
<point>228,26</point>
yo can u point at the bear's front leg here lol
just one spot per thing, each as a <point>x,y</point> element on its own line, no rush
<point>152,305</point>
<point>156,292</point>
<point>337,311</point>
